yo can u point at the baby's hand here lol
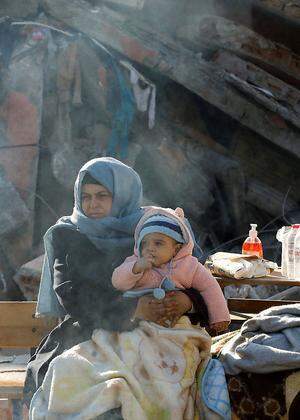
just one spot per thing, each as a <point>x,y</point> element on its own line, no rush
<point>143,264</point>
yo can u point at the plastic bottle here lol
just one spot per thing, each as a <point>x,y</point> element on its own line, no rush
<point>297,255</point>
<point>291,254</point>
<point>283,236</point>
<point>252,245</point>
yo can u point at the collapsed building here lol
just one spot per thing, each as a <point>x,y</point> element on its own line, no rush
<point>200,97</point>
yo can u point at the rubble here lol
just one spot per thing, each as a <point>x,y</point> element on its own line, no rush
<point>201,100</point>
<point>13,210</point>
<point>143,45</point>
<point>214,33</point>
<point>28,278</point>
<point>18,8</point>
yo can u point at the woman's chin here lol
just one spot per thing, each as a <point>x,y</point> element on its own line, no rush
<point>96,215</point>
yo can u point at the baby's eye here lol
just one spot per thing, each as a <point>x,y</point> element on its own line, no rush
<point>158,243</point>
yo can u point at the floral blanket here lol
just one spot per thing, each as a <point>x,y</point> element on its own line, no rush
<point>148,372</point>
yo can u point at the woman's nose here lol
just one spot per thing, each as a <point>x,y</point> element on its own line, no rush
<point>94,203</point>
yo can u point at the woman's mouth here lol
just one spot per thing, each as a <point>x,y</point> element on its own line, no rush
<point>95,215</point>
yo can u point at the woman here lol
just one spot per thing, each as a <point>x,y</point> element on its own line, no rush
<point>81,253</point>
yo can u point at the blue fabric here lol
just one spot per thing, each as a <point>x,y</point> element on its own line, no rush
<point>214,390</point>
<point>109,233</point>
<point>122,118</point>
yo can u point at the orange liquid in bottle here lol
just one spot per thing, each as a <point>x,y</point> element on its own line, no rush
<point>252,248</point>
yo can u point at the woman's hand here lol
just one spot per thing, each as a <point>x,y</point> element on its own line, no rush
<point>176,304</point>
<point>150,309</point>
<point>164,312</point>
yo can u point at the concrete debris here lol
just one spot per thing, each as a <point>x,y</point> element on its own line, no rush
<point>13,210</point>
<point>200,97</point>
<point>28,278</point>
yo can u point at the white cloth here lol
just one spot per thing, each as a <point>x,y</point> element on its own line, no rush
<point>149,373</point>
<point>145,97</point>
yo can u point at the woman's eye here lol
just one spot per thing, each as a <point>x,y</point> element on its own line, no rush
<point>101,196</point>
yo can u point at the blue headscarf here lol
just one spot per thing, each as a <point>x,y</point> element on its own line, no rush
<point>113,232</point>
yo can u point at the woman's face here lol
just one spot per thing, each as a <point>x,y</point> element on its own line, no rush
<point>96,201</point>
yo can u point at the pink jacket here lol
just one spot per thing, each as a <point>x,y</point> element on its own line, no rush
<point>184,270</point>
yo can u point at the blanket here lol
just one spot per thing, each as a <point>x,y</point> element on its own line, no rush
<point>269,342</point>
<point>148,372</point>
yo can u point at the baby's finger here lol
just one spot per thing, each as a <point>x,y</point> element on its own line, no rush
<point>159,312</point>
<point>169,301</point>
<point>156,303</point>
<point>171,307</point>
<point>174,321</point>
<point>163,322</point>
<point>171,311</point>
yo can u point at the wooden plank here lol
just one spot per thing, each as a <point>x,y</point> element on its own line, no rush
<point>158,52</point>
<point>265,281</point>
<point>274,279</point>
<point>217,33</point>
<point>19,314</point>
<point>271,92</point>
<point>12,384</point>
<point>287,8</point>
<point>11,393</point>
<point>273,21</point>
<point>21,337</point>
<point>12,379</point>
<point>254,305</point>
<point>257,193</point>
<point>133,4</point>
<point>18,326</point>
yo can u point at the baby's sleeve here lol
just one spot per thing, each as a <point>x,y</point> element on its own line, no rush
<point>212,294</point>
<point>123,278</point>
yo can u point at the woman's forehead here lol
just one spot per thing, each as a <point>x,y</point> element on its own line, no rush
<point>93,189</point>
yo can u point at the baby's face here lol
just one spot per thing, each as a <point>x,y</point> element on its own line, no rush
<point>159,246</point>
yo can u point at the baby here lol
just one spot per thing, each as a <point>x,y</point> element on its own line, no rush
<point>163,249</point>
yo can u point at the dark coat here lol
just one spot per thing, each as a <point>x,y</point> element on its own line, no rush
<point>82,282</point>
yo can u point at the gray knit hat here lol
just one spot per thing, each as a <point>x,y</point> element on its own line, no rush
<point>161,224</point>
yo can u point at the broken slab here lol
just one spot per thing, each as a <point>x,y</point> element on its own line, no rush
<point>271,92</point>
<point>20,116</point>
<point>267,17</point>
<point>189,175</point>
<point>134,4</point>
<point>287,8</point>
<point>269,199</point>
<point>216,33</point>
<point>13,211</point>
<point>18,8</point>
<point>28,278</point>
<point>262,161</point>
<point>15,235</point>
<point>160,53</point>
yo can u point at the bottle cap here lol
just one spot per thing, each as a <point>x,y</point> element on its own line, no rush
<point>253,231</point>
